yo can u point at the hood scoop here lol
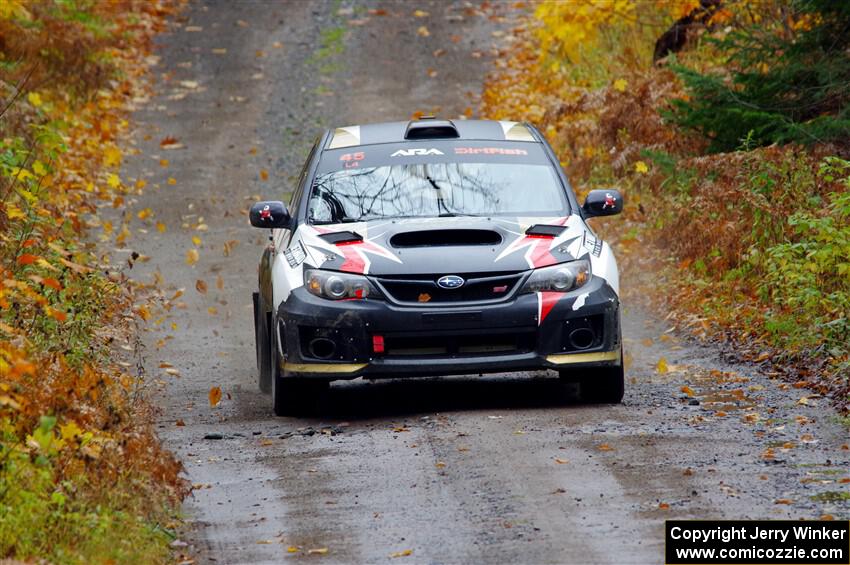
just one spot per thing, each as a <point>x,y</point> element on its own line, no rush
<point>451,237</point>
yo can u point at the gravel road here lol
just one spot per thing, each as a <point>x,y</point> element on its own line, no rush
<point>507,468</point>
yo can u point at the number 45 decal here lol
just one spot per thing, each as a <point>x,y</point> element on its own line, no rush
<point>351,160</point>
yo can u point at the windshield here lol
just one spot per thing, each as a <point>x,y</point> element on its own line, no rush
<point>435,189</point>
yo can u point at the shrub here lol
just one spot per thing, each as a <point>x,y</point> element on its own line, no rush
<point>779,81</point>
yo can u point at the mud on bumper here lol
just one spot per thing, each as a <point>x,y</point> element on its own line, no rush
<point>374,338</point>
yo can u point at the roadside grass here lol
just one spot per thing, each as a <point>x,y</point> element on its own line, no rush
<point>751,247</point>
<point>83,478</point>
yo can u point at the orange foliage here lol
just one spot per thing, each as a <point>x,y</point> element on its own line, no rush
<point>66,88</point>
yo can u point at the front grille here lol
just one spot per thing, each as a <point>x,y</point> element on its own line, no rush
<point>508,341</point>
<point>423,289</point>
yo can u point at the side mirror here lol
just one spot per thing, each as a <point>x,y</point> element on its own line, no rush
<point>269,214</point>
<point>604,202</point>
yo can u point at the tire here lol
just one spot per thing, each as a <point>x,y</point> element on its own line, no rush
<point>603,385</point>
<point>291,396</point>
<point>262,336</point>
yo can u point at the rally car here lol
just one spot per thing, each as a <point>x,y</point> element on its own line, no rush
<point>434,247</point>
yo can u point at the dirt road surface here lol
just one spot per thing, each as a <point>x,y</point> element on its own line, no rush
<point>508,468</point>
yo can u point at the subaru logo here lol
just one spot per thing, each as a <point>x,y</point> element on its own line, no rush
<point>450,281</point>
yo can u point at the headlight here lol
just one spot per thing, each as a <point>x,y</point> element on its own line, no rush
<point>558,278</point>
<point>338,286</point>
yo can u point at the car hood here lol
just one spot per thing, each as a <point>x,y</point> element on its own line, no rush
<point>441,246</point>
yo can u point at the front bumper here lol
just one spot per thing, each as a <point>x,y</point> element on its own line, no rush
<point>419,341</point>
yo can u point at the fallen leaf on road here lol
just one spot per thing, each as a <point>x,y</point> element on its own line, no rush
<point>201,286</point>
<point>163,162</point>
<point>170,142</point>
<point>229,245</point>
<point>663,506</point>
<point>172,181</point>
<point>180,422</point>
<point>196,240</point>
<point>661,366</point>
<point>688,390</point>
<point>264,174</point>
<point>404,553</point>
<point>212,310</point>
<point>160,227</point>
<point>317,551</point>
<point>423,31</point>
<point>439,465</point>
<point>215,395</point>
<point>267,442</point>
<point>827,517</point>
<point>192,256</point>
<point>292,549</point>
<point>688,472</point>
<point>605,447</point>
<point>219,282</point>
<point>784,501</point>
<point>561,461</point>
<point>421,14</point>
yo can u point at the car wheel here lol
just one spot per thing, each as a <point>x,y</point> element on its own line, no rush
<point>603,385</point>
<point>262,335</point>
<point>291,396</point>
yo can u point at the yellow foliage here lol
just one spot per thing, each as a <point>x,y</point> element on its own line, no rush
<point>14,10</point>
<point>569,26</point>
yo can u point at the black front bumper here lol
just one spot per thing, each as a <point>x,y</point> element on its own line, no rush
<point>444,340</point>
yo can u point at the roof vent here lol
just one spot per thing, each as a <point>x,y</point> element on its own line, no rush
<point>430,128</point>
